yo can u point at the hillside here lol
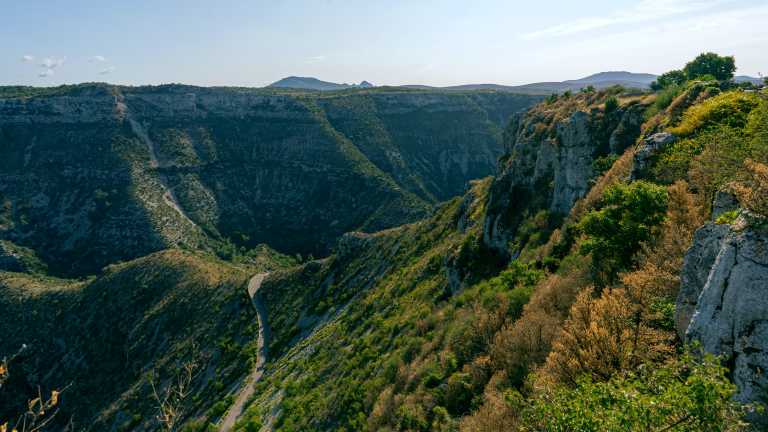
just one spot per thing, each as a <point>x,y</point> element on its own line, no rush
<point>106,339</point>
<point>607,275</point>
<point>430,326</point>
<point>94,174</point>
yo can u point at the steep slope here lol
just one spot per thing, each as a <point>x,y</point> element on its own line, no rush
<point>85,166</point>
<point>554,152</point>
<point>397,324</point>
<point>429,327</point>
<point>107,340</point>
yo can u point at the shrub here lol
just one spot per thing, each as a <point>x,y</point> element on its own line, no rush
<point>611,104</point>
<point>683,395</point>
<point>721,160</point>
<point>627,217</point>
<point>664,99</point>
<point>728,109</point>
<point>753,194</point>
<point>668,79</point>
<point>602,337</point>
<point>727,218</point>
<point>657,277</point>
<point>603,163</point>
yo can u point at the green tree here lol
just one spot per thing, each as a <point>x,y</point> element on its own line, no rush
<point>628,215</point>
<point>722,68</point>
<point>673,77</point>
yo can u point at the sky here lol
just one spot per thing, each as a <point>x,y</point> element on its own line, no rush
<point>253,43</point>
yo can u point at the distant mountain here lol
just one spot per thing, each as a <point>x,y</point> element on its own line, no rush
<point>610,78</point>
<point>598,80</point>
<point>749,79</point>
<point>310,83</point>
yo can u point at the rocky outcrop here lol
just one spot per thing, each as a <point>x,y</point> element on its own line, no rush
<point>648,149</point>
<point>697,265</point>
<point>549,163</point>
<point>724,202</point>
<point>723,301</point>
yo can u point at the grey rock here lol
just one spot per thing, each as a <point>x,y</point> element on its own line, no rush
<point>724,202</point>
<point>696,266</point>
<point>545,170</point>
<point>731,312</point>
<point>9,259</point>
<point>647,150</point>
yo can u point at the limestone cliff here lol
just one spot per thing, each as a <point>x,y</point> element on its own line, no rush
<point>722,300</point>
<point>550,159</point>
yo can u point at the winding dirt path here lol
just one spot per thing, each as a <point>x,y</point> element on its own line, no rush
<point>138,129</point>
<point>249,384</point>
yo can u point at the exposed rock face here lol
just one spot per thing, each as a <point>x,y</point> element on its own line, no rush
<point>647,150</point>
<point>723,203</point>
<point>551,168</point>
<point>697,264</point>
<point>80,185</point>
<point>730,304</point>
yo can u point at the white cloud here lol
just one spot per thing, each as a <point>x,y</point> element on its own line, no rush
<point>659,46</point>
<point>46,73</point>
<point>316,59</point>
<point>107,70</point>
<point>51,62</point>
<point>643,11</point>
<point>97,59</point>
<point>27,58</point>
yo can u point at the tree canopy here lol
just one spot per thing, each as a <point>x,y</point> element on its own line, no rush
<point>720,67</point>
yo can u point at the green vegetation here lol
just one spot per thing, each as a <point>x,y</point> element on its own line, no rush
<point>729,109</point>
<point>669,79</point>
<point>683,395</point>
<point>710,64</point>
<point>627,217</point>
<point>565,324</point>
<point>727,218</point>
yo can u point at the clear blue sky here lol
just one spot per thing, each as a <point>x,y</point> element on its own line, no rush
<point>253,43</point>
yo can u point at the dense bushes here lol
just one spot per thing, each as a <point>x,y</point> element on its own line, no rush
<point>627,217</point>
<point>682,395</point>
<point>728,109</point>
<point>729,128</point>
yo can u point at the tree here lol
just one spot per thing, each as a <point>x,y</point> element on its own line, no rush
<point>722,68</point>
<point>628,217</point>
<point>171,401</point>
<point>673,77</point>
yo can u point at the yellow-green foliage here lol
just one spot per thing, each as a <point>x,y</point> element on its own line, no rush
<point>728,109</point>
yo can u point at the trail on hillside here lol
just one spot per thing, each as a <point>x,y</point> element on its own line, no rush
<point>249,385</point>
<point>168,195</point>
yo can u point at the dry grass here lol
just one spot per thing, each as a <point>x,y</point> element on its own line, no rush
<point>753,193</point>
